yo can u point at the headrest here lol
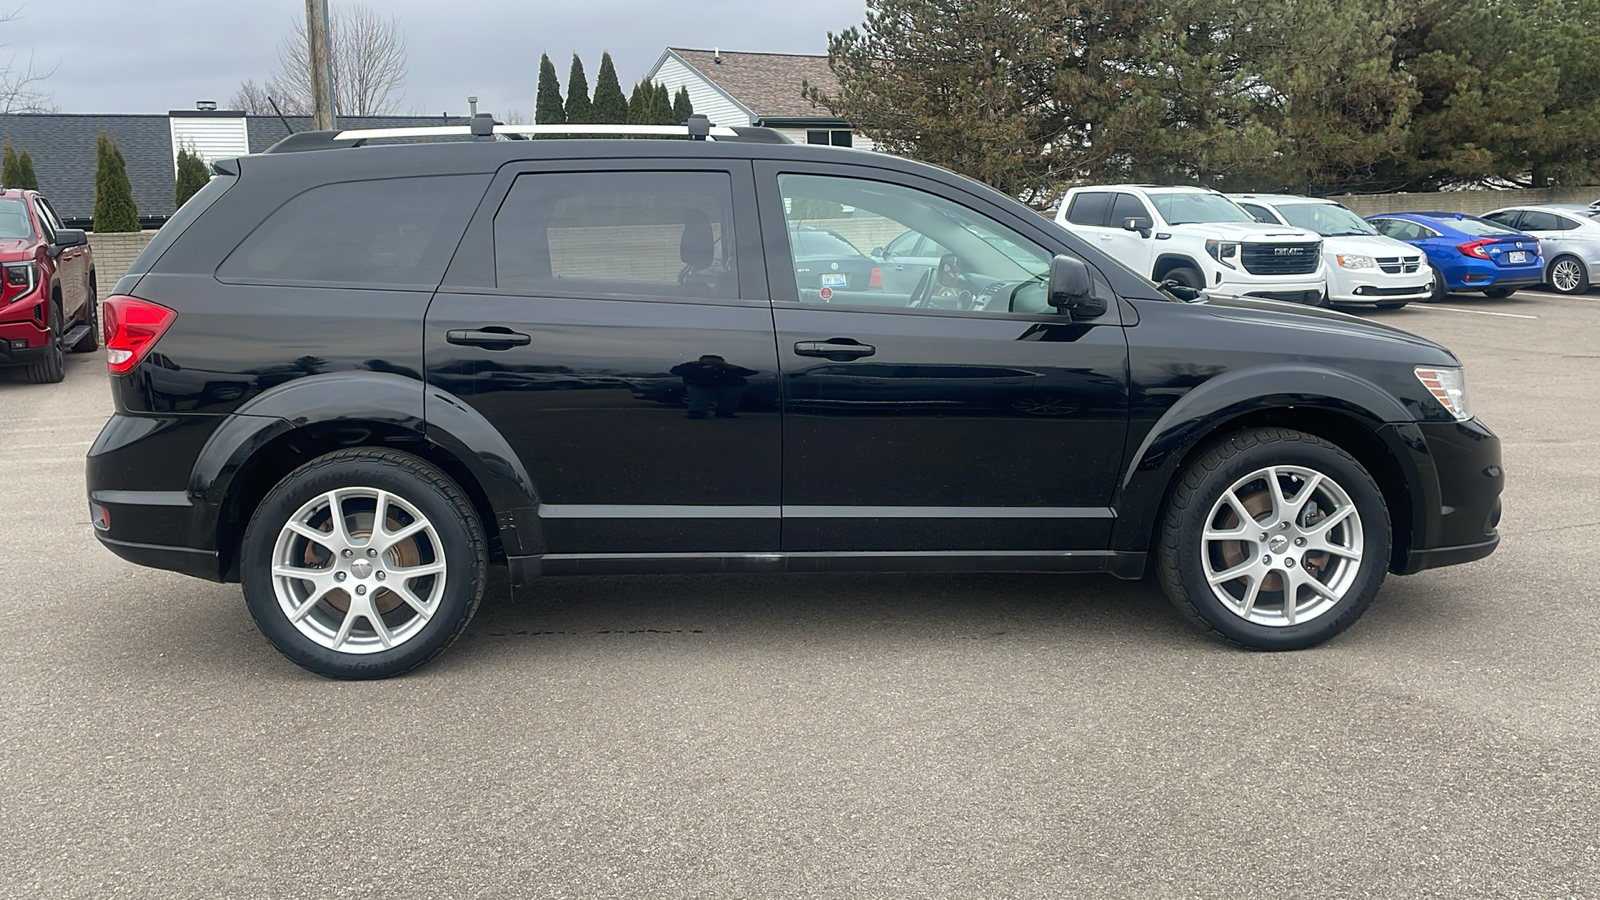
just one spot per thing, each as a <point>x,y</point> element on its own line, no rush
<point>695,247</point>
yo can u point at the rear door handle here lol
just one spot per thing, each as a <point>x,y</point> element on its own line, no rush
<point>836,349</point>
<point>493,337</point>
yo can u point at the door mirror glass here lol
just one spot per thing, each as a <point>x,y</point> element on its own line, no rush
<point>1072,289</point>
<point>1141,224</point>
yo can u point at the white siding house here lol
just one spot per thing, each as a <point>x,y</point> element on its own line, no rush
<point>766,89</point>
<point>213,135</point>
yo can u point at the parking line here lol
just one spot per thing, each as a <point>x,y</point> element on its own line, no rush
<point>1476,312</point>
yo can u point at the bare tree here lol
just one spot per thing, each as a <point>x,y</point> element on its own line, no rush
<point>21,84</point>
<point>369,68</point>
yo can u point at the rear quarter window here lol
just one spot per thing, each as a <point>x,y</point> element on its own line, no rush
<point>385,233</point>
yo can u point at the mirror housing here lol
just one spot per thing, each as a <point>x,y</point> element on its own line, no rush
<point>71,237</point>
<point>1141,224</point>
<point>1072,289</point>
<point>878,252</point>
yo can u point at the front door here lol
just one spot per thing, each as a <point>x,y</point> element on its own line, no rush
<point>959,414</point>
<point>614,327</point>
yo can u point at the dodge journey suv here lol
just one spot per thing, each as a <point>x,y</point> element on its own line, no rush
<point>350,377</point>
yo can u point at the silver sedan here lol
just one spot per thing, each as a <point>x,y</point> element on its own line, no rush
<point>1569,237</point>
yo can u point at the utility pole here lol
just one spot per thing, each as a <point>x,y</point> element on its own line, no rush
<point>322,111</point>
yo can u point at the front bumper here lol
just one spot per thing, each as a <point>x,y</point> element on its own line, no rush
<point>22,342</point>
<point>1351,287</point>
<point>1455,479</point>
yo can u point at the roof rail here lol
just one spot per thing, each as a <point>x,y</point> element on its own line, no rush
<point>698,128</point>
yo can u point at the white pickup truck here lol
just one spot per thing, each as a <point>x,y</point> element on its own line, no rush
<point>1200,239</point>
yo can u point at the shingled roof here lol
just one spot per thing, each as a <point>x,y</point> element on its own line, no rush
<point>767,84</point>
<point>63,151</point>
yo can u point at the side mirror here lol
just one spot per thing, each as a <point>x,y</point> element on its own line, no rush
<point>1140,224</point>
<point>878,252</point>
<point>71,237</point>
<point>1072,290</point>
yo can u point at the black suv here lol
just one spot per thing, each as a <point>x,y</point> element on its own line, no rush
<point>353,377</point>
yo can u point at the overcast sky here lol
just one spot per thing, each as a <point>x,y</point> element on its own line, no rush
<point>149,56</point>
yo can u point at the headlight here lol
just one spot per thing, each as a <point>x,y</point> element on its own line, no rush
<point>24,275</point>
<point>1449,387</point>
<point>1354,261</point>
<point>1222,251</point>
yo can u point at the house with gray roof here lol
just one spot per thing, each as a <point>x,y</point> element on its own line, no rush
<point>63,149</point>
<point>736,88</point>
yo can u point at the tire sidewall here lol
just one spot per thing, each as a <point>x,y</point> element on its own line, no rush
<point>1369,503</point>
<point>1191,274</point>
<point>1583,275</point>
<point>463,577</point>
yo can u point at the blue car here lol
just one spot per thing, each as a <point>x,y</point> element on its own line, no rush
<point>1468,253</point>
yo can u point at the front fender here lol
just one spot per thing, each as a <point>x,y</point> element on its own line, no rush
<point>362,402</point>
<point>1211,405</point>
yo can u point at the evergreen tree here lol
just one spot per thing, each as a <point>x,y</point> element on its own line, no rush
<point>29,180</point>
<point>610,104</point>
<point>193,173</point>
<point>548,109</point>
<point>10,167</point>
<point>113,195</point>
<point>579,109</point>
<point>640,104</point>
<point>662,107</point>
<point>682,109</point>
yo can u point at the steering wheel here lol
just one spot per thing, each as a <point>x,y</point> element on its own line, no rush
<point>919,294</point>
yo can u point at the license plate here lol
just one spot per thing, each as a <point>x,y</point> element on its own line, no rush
<point>837,280</point>
<point>1515,257</point>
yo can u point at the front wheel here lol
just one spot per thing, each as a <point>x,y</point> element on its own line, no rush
<point>53,367</point>
<point>1188,276</point>
<point>91,317</point>
<point>363,563</point>
<point>1274,539</point>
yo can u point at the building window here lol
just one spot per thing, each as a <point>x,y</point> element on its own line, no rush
<point>838,137</point>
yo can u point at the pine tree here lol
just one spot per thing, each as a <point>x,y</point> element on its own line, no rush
<point>610,104</point>
<point>682,109</point>
<point>580,110</point>
<point>192,176</point>
<point>29,180</point>
<point>548,109</point>
<point>662,107</point>
<point>639,105</point>
<point>10,167</point>
<point>113,195</point>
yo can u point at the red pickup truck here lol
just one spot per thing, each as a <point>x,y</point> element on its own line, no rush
<point>47,288</point>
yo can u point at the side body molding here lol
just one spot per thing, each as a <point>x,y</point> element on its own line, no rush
<point>1151,467</point>
<point>361,402</point>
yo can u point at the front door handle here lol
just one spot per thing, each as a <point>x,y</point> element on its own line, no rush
<point>836,349</point>
<point>493,337</point>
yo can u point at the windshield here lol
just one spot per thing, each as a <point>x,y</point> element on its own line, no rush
<point>14,220</point>
<point>1326,219</point>
<point>1479,227</point>
<point>1186,208</point>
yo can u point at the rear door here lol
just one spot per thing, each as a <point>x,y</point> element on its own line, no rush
<point>615,328</point>
<point>968,417</point>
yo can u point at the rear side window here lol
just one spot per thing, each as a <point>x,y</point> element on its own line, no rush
<point>653,234</point>
<point>387,233</point>
<point>1480,228</point>
<point>1536,220</point>
<point>1089,208</point>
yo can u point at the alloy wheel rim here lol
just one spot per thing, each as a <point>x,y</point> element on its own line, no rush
<point>358,570</point>
<point>1566,276</point>
<point>1282,546</point>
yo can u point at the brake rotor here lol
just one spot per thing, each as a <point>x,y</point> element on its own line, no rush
<point>1235,552</point>
<point>404,554</point>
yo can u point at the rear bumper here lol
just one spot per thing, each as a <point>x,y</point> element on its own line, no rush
<point>184,560</point>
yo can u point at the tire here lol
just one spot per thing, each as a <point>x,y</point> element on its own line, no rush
<point>1249,609</point>
<point>1440,292</point>
<point>1499,293</point>
<point>1398,305</point>
<point>91,341</point>
<point>317,621</point>
<point>1567,275</point>
<point>53,367</point>
<point>1188,276</point>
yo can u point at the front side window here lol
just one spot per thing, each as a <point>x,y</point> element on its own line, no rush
<point>387,233</point>
<point>1187,208</point>
<point>981,265</point>
<point>1125,207</point>
<point>1326,219</point>
<point>654,234</point>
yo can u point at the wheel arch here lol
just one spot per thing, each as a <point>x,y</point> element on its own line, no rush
<point>1166,262</point>
<point>278,432</point>
<point>1352,417</point>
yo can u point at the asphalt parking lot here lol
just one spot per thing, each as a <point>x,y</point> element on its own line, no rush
<point>825,736</point>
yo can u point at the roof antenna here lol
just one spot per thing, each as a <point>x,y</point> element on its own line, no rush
<point>286,126</point>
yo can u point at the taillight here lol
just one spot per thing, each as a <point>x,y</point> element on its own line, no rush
<point>1475,249</point>
<point>876,278</point>
<point>132,328</point>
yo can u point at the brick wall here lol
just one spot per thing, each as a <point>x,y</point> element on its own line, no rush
<point>114,253</point>
<point>1469,202</point>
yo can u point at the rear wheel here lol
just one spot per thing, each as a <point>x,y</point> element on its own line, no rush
<point>1568,275</point>
<point>53,367</point>
<point>91,317</point>
<point>363,563</point>
<point>1499,293</point>
<point>1436,288</point>
<point>1274,539</point>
